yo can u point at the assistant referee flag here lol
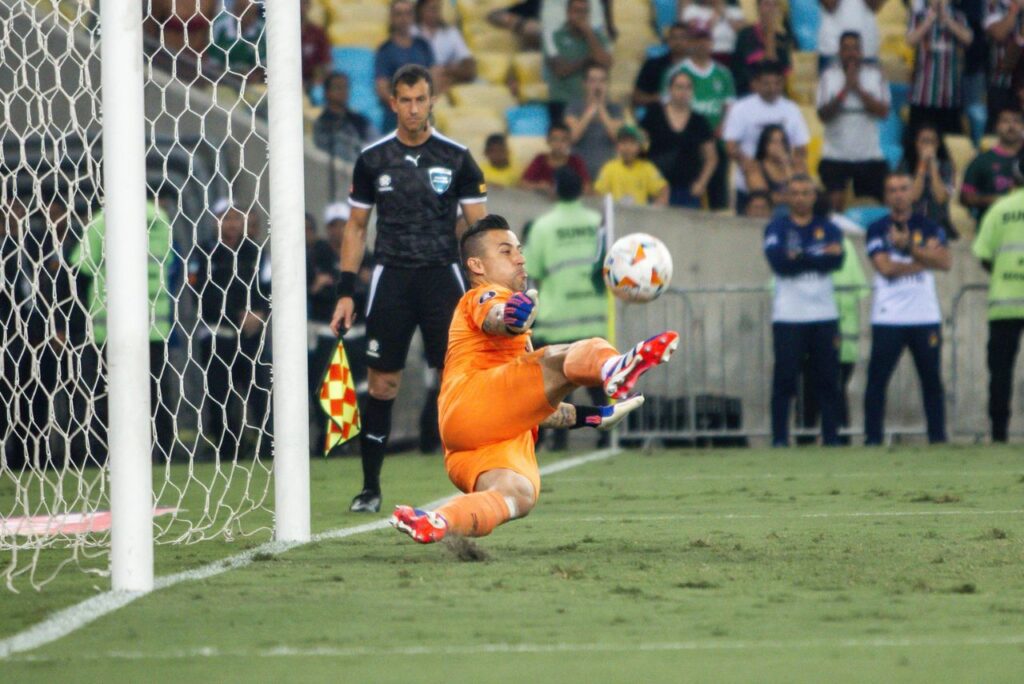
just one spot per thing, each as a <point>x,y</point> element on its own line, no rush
<point>338,400</point>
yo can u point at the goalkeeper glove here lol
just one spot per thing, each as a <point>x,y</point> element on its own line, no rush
<point>520,311</point>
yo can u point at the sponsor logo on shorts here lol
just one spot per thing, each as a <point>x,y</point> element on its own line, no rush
<point>490,294</point>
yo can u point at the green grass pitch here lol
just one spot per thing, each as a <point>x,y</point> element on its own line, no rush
<point>904,564</point>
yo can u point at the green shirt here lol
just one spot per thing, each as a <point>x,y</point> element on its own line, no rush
<point>713,89</point>
<point>88,256</point>
<point>991,173</point>
<point>848,277</point>
<point>561,249</point>
<point>1001,242</point>
<point>571,47</point>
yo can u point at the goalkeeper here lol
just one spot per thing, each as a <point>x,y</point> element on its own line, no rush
<point>496,390</point>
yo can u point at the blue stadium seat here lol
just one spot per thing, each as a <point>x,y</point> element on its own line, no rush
<point>893,154</point>
<point>367,104</point>
<point>805,15</point>
<point>357,62</point>
<point>664,14</point>
<point>865,216</point>
<point>890,128</point>
<point>899,93</point>
<point>655,51</point>
<point>530,119</point>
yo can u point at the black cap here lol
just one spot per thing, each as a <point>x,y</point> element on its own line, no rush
<point>568,184</point>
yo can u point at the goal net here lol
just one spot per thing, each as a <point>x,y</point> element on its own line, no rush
<point>208,281</point>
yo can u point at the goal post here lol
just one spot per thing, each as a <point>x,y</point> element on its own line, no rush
<point>124,179</point>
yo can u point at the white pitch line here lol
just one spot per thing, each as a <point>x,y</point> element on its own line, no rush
<point>776,516</point>
<point>540,649</point>
<point>696,477</point>
<point>71,619</point>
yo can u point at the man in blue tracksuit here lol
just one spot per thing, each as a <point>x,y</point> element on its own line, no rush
<point>802,250</point>
<point>904,249</point>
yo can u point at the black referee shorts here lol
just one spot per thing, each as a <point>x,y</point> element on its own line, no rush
<point>402,299</point>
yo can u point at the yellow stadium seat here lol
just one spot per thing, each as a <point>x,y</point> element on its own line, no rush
<point>493,66</point>
<point>749,8</point>
<point>528,67</point>
<point>354,33</point>
<point>523,148</point>
<point>814,125</point>
<point>533,92</point>
<point>637,12</point>
<point>362,12</point>
<point>988,142</point>
<point>482,94</point>
<point>469,118</point>
<point>487,37</point>
<point>962,220</point>
<point>814,147</point>
<point>893,13</point>
<point>961,151</point>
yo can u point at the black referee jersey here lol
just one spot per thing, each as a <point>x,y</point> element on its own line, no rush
<point>417,191</point>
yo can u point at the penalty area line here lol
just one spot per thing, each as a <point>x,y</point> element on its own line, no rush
<point>73,618</point>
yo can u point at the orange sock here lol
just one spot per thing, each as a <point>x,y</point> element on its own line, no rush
<point>476,514</point>
<point>584,360</point>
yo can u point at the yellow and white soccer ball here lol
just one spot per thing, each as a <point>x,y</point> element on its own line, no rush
<point>638,268</point>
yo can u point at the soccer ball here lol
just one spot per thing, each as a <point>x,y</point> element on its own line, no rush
<point>638,268</point>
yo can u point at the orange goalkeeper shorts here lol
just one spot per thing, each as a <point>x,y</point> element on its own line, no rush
<point>488,418</point>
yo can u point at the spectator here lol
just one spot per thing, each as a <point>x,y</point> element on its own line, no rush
<point>1000,247</point>
<point>522,19</point>
<point>455,63</point>
<point>803,250</point>
<point>339,131</point>
<point>759,205</point>
<point>573,47</point>
<point>316,50</point>
<point>178,34</point>
<point>650,82</point>
<point>233,311</point>
<point>773,165</point>
<point>852,98</point>
<point>560,250</point>
<point>749,116</point>
<point>540,174</point>
<point>939,35</point>
<point>723,20</point>
<point>1005,28</point>
<point>497,167</point>
<point>553,14</point>
<point>926,160</point>
<point>764,41</point>
<point>88,258</point>
<point>904,249</point>
<point>630,179</point>
<point>991,174</point>
<point>239,41</point>
<point>678,138</point>
<point>840,16</point>
<point>594,121</point>
<point>713,93</point>
<point>401,48</point>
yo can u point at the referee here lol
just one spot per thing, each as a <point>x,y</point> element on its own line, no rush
<point>1000,246</point>
<point>417,178</point>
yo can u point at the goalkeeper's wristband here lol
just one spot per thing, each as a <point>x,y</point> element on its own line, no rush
<point>346,284</point>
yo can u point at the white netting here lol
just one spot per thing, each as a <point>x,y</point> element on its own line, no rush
<point>209,297</point>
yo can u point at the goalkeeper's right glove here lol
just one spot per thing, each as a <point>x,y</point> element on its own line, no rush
<point>520,311</point>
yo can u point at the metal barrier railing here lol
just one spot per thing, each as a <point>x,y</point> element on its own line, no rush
<point>718,387</point>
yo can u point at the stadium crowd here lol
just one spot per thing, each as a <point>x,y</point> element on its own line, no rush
<point>903,119</point>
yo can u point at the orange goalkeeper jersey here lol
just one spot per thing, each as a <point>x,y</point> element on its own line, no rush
<point>469,347</point>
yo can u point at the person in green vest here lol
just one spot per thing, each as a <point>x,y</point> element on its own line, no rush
<point>561,248</point>
<point>1000,247</point>
<point>88,257</point>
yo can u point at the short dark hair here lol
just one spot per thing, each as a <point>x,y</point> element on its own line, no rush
<point>897,173</point>
<point>676,26</point>
<point>557,126</point>
<point>1009,110</point>
<point>767,67</point>
<point>495,139</point>
<point>410,75</point>
<point>760,194</point>
<point>469,243</point>
<point>800,178</point>
<point>330,78</point>
<point>849,34</point>
<point>568,184</point>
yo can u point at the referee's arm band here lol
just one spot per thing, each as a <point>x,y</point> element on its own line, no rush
<point>346,284</point>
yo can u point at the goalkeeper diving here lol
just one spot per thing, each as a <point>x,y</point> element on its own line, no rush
<point>497,390</point>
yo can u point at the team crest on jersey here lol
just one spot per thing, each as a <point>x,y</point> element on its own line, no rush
<point>384,180</point>
<point>490,294</point>
<point>819,234</point>
<point>440,178</point>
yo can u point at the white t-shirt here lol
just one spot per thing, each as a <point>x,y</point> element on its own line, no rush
<point>853,134</point>
<point>748,117</point>
<point>805,298</point>
<point>447,43</point>
<point>723,35</point>
<point>850,15</point>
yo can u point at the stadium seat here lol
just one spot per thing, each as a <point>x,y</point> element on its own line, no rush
<point>493,96</point>
<point>359,11</point>
<point>987,142</point>
<point>530,119</point>
<point>487,37</point>
<point>365,34</point>
<point>460,122</point>
<point>533,92</point>
<point>655,51</point>
<point>664,14</point>
<point>890,129</point>
<point>804,16</point>
<point>866,215</point>
<point>357,62</point>
<point>961,152</point>
<point>528,67</point>
<point>523,148</point>
<point>493,66</point>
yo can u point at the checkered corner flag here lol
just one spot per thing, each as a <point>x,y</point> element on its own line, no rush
<point>338,401</point>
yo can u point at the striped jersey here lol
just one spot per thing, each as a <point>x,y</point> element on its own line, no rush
<point>1004,62</point>
<point>938,64</point>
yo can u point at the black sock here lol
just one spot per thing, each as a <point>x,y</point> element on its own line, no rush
<point>587,416</point>
<point>373,439</point>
